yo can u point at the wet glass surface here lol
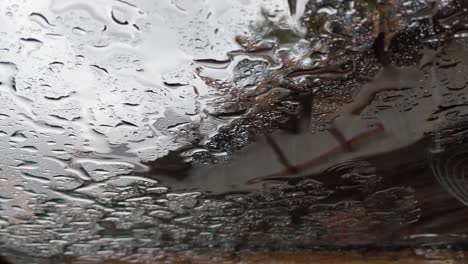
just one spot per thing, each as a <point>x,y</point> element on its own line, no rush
<point>129,129</point>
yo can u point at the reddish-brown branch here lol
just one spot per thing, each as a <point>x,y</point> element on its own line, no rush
<point>377,130</point>
<point>340,138</point>
<point>280,154</point>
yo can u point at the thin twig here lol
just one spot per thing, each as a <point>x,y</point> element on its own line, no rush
<point>378,129</point>
<point>280,154</point>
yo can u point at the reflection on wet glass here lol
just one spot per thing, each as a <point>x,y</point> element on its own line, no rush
<point>129,129</point>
